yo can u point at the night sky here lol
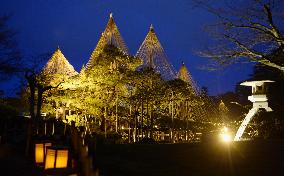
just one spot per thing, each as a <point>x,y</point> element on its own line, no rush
<point>75,26</point>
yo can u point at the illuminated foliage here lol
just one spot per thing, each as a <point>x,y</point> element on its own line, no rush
<point>97,89</point>
<point>223,111</point>
<point>116,90</point>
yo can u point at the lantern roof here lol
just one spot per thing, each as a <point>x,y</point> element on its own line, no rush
<point>255,83</point>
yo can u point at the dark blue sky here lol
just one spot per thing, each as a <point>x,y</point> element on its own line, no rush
<point>75,25</point>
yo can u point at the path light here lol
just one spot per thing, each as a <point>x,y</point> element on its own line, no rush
<point>56,157</point>
<point>40,151</point>
<point>225,136</point>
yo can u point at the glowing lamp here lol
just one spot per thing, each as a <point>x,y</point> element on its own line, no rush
<point>40,151</point>
<point>56,157</point>
<point>225,137</point>
<point>225,129</point>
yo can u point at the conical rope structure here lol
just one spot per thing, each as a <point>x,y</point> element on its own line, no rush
<point>58,64</point>
<point>201,112</point>
<point>110,36</point>
<point>184,75</point>
<point>153,55</point>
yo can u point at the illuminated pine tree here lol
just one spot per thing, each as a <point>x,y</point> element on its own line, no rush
<point>153,55</point>
<point>58,64</point>
<point>184,75</point>
<point>223,111</point>
<point>54,76</point>
<point>110,36</point>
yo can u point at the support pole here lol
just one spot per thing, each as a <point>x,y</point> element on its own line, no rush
<point>244,124</point>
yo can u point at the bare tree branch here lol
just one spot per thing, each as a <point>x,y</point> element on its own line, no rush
<point>246,29</point>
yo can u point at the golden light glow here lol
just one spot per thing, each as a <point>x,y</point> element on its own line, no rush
<point>40,151</point>
<point>56,158</point>
<point>225,137</point>
<point>225,129</point>
<point>61,159</point>
<point>50,159</point>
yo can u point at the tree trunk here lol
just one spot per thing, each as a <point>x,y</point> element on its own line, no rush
<point>129,124</point>
<point>172,114</point>
<point>142,114</point>
<point>31,82</point>
<point>39,104</point>
<point>135,125</point>
<point>105,125</point>
<point>147,118</point>
<point>151,122</point>
<point>32,101</point>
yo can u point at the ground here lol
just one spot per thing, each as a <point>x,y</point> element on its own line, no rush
<point>244,158</point>
<point>14,163</point>
<point>239,159</point>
